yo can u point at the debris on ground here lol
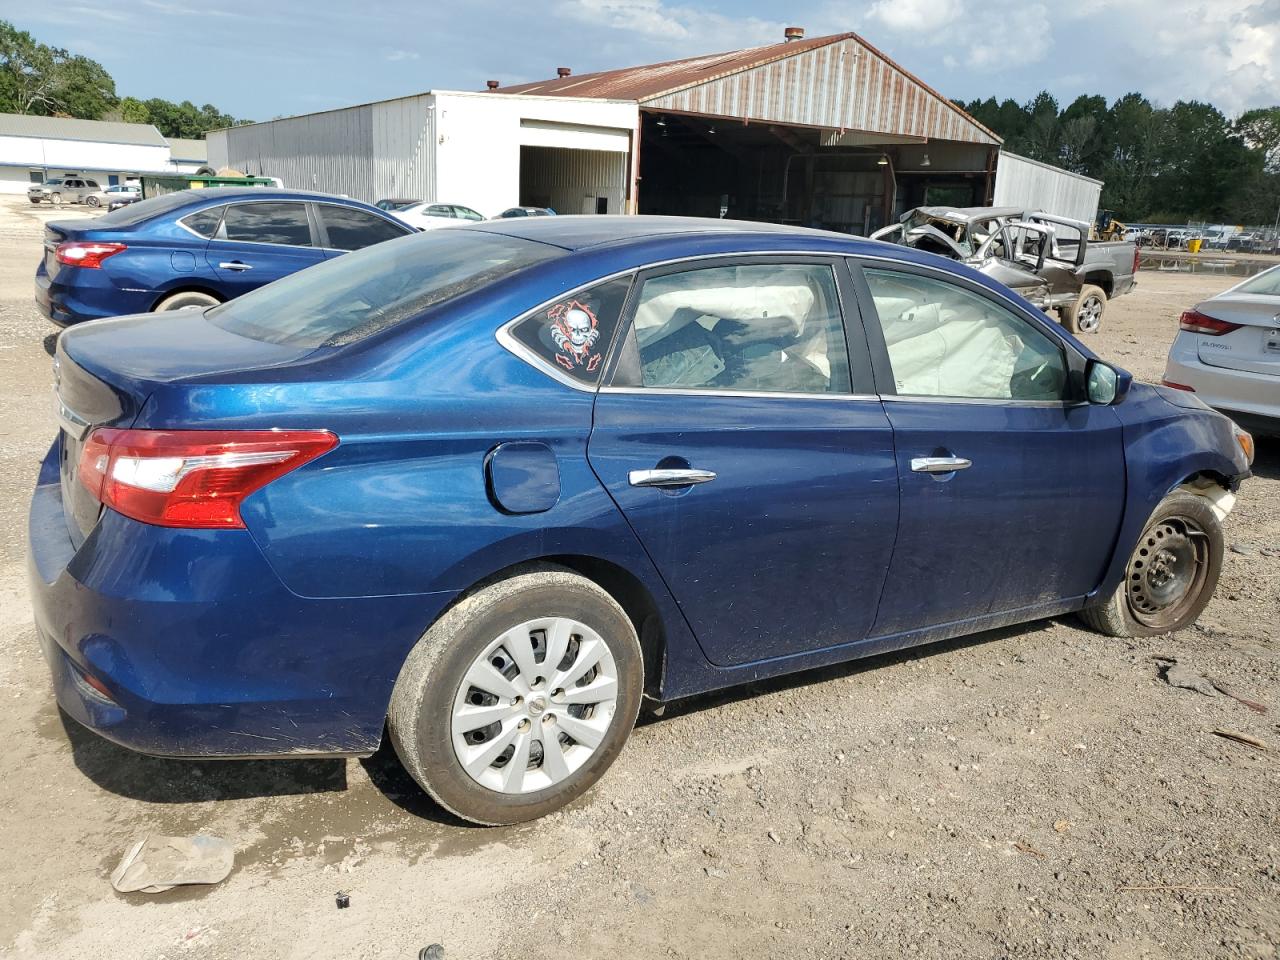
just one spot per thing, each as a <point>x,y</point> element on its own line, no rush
<point>1179,675</point>
<point>1062,826</point>
<point>155,864</point>
<point>343,899</point>
<point>433,952</point>
<point>1028,848</point>
<point>1227,691</point>
<point>1184,888</point>
<point>1241,738</point>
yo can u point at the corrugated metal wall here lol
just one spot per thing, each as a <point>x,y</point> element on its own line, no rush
<point>563,179</point>
<point>367,152</point>
<point>1021,182</point>
<point>841,86</point>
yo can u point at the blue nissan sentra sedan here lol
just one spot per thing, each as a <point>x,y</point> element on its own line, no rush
<point>196,248</point>
<point>487,488</point>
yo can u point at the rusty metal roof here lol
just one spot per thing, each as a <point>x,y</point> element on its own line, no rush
<point>838,82</point>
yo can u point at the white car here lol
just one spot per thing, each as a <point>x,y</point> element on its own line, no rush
<point>1227,352</point>
<point>430,216</point>
<point>121,191</point>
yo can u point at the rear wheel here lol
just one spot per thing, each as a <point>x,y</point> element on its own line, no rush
<point>1085,315</point>
<point>1171,574</point>
<point>519,698</point>
<point>92,201</point>
<point>187,298</point>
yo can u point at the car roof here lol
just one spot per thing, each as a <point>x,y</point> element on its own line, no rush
<point>969,213</point>
<point>578,232</point>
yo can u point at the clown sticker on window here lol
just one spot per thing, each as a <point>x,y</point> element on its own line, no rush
<point>574,334</point>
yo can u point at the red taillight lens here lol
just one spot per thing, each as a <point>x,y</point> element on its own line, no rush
<point>1193,321</point>
<point>76,253</point>
<point>1177,386</point>
<point>191,478</point>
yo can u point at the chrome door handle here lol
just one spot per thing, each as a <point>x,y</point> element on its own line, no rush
<point>669,478</point>
<point>939,464</point>
<point>235,265</point>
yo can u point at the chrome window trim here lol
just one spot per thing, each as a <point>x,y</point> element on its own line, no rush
<point>981,401</point>
<point>260,243</point>
<point>505,338</point>
<point>760,394</point>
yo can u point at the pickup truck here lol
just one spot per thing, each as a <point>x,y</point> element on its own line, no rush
<point>63,190</point>
<point>1048,260</point>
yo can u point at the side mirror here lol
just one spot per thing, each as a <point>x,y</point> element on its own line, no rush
<point>1105,384</point>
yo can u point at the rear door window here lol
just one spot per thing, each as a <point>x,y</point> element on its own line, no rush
<point>283,223</point>
<point>572,335</point>
<point>352,229</point>
<point>203,222</point>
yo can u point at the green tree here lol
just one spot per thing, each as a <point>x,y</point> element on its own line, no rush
<point>1260,129</point>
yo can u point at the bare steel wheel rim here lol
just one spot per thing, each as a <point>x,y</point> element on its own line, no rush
<point>1089,316</point>
<point>1167,572</point>
<point>534,706</point>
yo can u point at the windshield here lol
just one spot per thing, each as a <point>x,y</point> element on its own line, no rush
<point>343,300</point>
<point>1266,283</point>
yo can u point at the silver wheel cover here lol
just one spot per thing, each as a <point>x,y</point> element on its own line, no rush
<point>1089,316</point>
<point>534,706</point>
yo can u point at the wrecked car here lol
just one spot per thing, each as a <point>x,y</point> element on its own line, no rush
<point>1046,259</point>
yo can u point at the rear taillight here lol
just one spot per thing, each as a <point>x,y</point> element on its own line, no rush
<point>191,478</point>
<point>77,253</point>
<point>1177,386</point>
<point>1193,321</point>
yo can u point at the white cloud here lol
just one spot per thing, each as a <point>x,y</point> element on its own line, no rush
<point>397,55</point>
<point>685,30</point>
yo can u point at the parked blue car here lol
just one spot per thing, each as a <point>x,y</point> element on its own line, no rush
<point>488,487</point>
<point>195,248</point>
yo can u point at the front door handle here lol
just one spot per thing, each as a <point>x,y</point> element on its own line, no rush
<point>939,464</point>
<point>669,478</point>
<point>235,265</point>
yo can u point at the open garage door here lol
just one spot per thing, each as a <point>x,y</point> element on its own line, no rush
<point>571,180</point>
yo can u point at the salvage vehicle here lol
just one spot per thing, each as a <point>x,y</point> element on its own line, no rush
<point>1227,352</point>
<point>196,248</point>
<point>58,190</point>
<point>1049,260</point>
<point>111,195</point>
<point>432,216</point>
<point>487,487</point>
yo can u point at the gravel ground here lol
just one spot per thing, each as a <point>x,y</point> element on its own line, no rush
<point>1037,791</point>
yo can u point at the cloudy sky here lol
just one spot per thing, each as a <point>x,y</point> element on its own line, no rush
<point>293,56</point>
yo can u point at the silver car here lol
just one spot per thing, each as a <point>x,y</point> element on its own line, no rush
<point>1227,352</point>
<point>63,190</point>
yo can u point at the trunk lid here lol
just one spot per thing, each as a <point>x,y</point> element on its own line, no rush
<point>104,372</point>
<point>1255,347</point>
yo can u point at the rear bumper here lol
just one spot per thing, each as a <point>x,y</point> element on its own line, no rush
<point>1238,393</point>
<point>92,297</point>
<point>204,653</point>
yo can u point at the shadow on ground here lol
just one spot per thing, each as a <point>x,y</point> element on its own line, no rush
<point>163,780</point>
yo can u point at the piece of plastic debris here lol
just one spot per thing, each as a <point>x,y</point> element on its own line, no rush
<point>343,899</point>
<point>155,864</point>
<point>433,952</point>
<point>1178,675</point>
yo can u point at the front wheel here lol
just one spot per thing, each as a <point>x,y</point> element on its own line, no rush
<point>56,199</point>
<point>519,698</point>
<point>1171,574</point>
<point>1085,314</point>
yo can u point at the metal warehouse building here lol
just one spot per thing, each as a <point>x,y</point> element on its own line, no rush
<point>822,132</point>
<point>35,148</point>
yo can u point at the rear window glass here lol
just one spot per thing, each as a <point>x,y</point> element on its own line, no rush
<point>357,294</point>
<point>204,222</point>
<point>574,333</point>
<point>146,209</point>
<point>281,223</point>
<point>1267,282</point>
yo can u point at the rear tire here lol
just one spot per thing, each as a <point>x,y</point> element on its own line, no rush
<point>187,298</point>
<point>1170,576</point>
<point>510,656</point>
<point>1085,314</point>
<point>93,201</point>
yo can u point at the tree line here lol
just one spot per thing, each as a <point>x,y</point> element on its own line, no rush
<point>38,79</point>
<point>1159,164</point>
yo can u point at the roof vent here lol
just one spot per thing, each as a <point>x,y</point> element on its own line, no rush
<point>563,71</point>
<point>793,33</point>
<point>491,84</point>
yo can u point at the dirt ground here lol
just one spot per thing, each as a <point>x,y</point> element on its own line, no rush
<point>1037,791</point>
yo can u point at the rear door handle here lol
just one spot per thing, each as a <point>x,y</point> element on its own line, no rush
<point>939,464</point>
<point>235,265</point>
<point>669,478</point>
